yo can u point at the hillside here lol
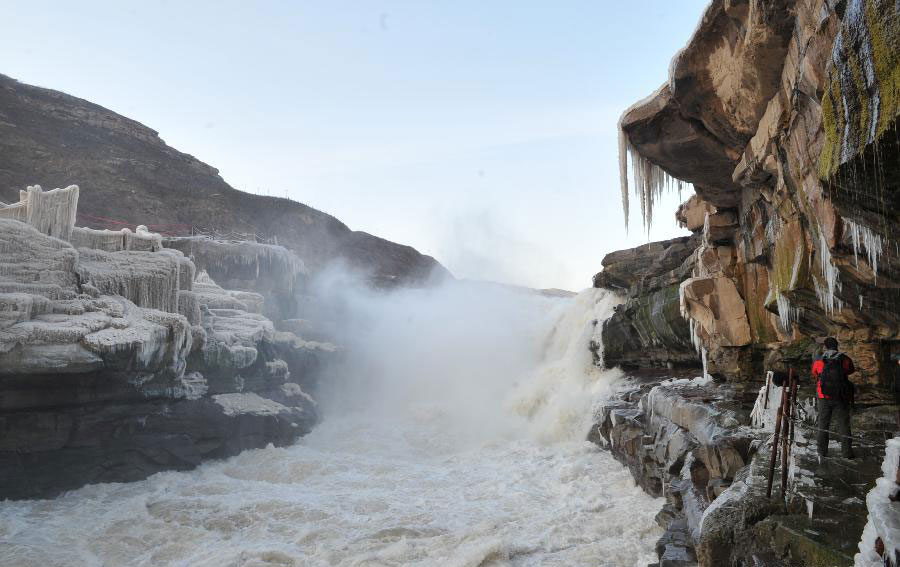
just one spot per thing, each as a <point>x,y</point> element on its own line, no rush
<point>128,174</point>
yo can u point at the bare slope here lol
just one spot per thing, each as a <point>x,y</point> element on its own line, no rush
<point>127,173</point>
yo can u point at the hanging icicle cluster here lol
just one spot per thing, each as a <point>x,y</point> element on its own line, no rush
<point>787,315</point>
<point>863,236</point>
<point>650,180</point>
<point>826,291</point>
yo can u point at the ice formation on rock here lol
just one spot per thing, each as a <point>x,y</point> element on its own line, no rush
<point>33,263</point>
<point>148,280</point>
<point>826,291</point>
<point>650,180</point>
<point>248,258</point>
<point>49,212</point>
<point>52,212</point>
<point>121,316</point>
<point>108,240</point>
<point>884,514</point>
<point>787,315</point>
<point>862,236</point>
<point>240,403</point>
<point>116,240</point>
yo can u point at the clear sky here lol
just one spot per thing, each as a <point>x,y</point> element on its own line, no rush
<point>481,132</point>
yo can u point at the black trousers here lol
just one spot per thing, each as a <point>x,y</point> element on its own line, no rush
<point>840,412</point>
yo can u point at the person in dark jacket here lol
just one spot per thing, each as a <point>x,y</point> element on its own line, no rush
<point>835,393</point>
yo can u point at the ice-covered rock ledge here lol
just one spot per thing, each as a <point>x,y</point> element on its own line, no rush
<point>118,359</point>
<point>691,442</point>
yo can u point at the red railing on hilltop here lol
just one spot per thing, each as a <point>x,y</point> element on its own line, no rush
<point>172,229</point>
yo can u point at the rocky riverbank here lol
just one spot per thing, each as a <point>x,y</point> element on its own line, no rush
<point>693,442</point>
<point>119,359</point>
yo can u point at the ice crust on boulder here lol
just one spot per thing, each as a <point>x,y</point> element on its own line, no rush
<point>884,513</point>
<point>33,263</point>
<point>244,403</point>
<point>114,316</point>
<point>148,280</point>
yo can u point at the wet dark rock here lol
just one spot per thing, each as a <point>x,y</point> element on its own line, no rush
<point>648,330</point>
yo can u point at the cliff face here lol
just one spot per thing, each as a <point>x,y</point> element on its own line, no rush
<point>648,329</point>
<point>130,175</point>
<point>783,116</point>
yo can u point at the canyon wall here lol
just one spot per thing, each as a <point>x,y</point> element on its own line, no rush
<point>783,117</point>
<point>782,114</point>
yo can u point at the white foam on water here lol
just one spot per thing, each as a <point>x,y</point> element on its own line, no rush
<point>470,452</point>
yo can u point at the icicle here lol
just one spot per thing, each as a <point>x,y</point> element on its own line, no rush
<point>826,292</point>
<point>650,180</point>
<point>623,173</point>
<point>863,236</point>
<point>787,315</point>
<point>705,364</point>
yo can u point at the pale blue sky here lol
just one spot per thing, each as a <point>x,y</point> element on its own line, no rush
<point>480,132</point>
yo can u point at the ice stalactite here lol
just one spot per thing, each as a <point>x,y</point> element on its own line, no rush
<point>650,180</point>
<point>826,292</point>
<point>704,358</point>
<point>787,315</point>
<point>862,236</point>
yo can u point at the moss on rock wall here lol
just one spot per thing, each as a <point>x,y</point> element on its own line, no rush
<point>861,99</point>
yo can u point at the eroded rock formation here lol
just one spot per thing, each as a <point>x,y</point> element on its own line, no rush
<point>120,360</point>
<point>648,329</point>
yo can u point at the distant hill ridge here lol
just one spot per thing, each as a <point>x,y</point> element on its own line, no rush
<point>130,175</point>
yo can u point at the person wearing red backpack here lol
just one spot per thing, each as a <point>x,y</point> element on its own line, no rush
<point>835,392</point>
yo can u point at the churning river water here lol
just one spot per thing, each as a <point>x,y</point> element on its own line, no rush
<point>429,461</point>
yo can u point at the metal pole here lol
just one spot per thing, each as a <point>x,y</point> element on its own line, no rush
<point>768,387</point>
<point>785,431</point>
<point>775,442</point>
<point>795,382</point>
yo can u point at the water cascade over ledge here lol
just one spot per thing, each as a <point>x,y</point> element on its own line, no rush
<point>453,435</point>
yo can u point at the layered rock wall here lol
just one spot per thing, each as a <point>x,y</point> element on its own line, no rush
<point>783,117</point>
<point>782,114</point>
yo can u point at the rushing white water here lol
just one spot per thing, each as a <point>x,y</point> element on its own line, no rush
<point>460,441</point>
